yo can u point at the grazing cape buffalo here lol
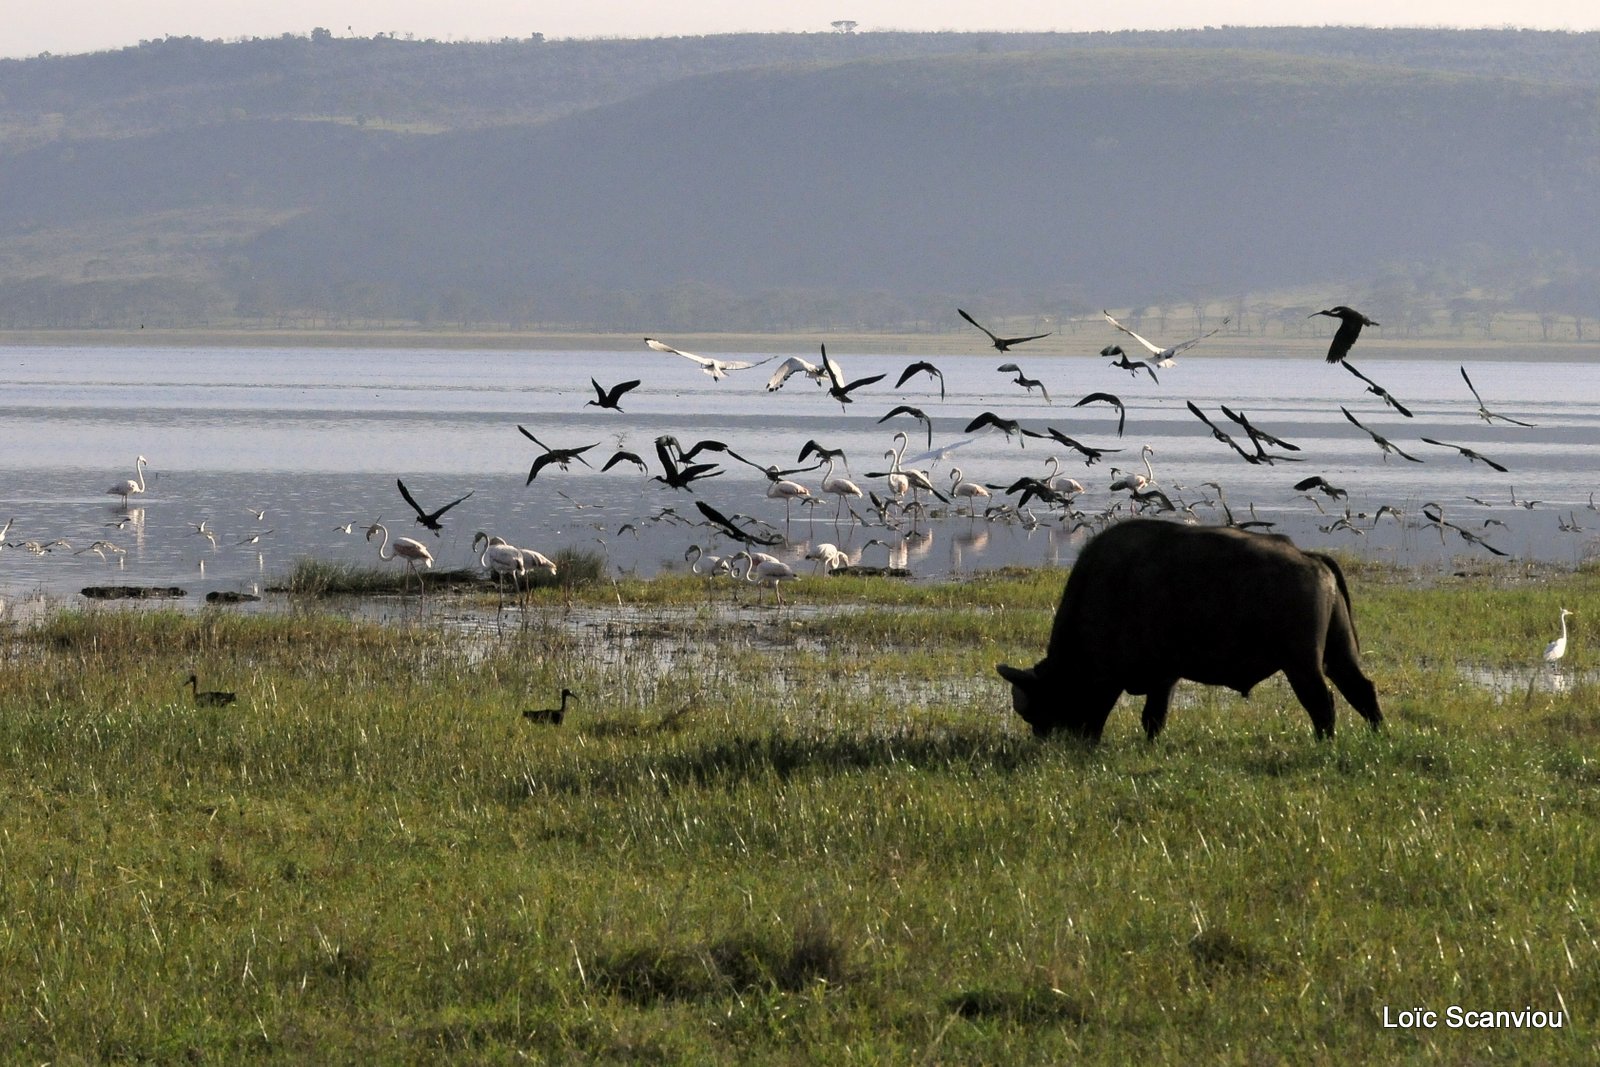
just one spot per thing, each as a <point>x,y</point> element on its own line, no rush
<point>1150,602</point>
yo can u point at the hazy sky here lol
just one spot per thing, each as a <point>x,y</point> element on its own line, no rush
<point>28,27</point>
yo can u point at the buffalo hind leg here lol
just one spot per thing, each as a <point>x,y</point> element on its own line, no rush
<point>1155,708</point>
<point>1357,689</point>
<point>1314,694</point>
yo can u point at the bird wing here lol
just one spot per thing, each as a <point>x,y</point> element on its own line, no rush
<point>621,387</point>
<point>922,366</point>
<point>659,347</point>
<point>529,436</point>
<point>1156,349</point>
<point>976,323</point>
<point>1018,340</point>
<point>453,503</point>
<point>1309,483</point>
<point>1107,398</point>
<point>989,418</point>
<point>831,366</point>
<point>1009,368</point>
<point>624,457</point>
<point>1474,389</point>
<point>859,382</point>
<point>421,515</point>
<point>1191,342</point>
<point>792,365</point>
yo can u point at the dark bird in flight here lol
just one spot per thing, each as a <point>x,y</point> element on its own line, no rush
<point>1031,487</point>
<point>1030,384</point>
<point>624,456</point>
<point>1350,323</point>
<point>916,413</point>
<point>1248,457</point>
<point>1010,427</point>
<point>430,519</point>
<point>922,367</point>
<point>679,477</point>
<point>608,398</point>
<point>1484,413</point>
<point>1469,453</point>
<point>1380,440</point>
<point>1436,517</point>
<point>703,445</point>
<point>1258,435</point>
<point>1132,366</point>
<point>1107,398</point>
<point>1318,482</point>
<point>733,530</point>
<point>1375,389</point>
<point>1001,344</point>
<point>1090,455</point>
<point>559,456</point>
<point>813,448</point>
<point>1164,357</point>
<point>837,387</point>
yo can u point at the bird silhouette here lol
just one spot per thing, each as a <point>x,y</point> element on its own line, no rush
<point>1377,390</point>
<point>680,477</point>
<point>622,455</point>
<point>1164,357</point>
<point>608,398</point>
<point>1090,455</point>
<point>561,457</point>
<point>1305,485</point>
<point>733,529</point>
<point>1220,435</point>
<point>1030,384</point>
<point>1469,453</point>
<point>1350,323</point>
<point>1484,413</point>
<point>429,519</point>
<point>916,413</point>
<point>1010,427</point>
<point>1380,440</point>
<point>837,387</point>
<point>922,367</point>
<point>1258,435</point>
<point>551,716</point>
<point>1107,398</point>
<point>1001,344</point>
<point>1132,366</point>
<point>209,698</point>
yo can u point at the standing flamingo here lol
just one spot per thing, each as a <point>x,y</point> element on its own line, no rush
<point>404,548</point>
<point>768,569</point>
<point>841,488</point>
<point>128,487</point>
<point>499,557</point>
<point>970,491</point>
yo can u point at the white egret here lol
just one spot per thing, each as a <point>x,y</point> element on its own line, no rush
<point>1558,648</point>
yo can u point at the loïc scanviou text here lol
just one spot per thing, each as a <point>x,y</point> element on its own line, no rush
<point>1456,1017</point>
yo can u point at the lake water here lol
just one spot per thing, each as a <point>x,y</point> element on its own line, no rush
<point>318,437</point>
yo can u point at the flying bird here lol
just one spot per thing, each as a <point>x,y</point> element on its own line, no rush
<point>1030,384</point>
<point>733,530</point>
<point>1107,398</point>
<point>795,365</point>
<point>1258,435</point>
<point>1090,455</point>
<point>1165,357</point>
<point>1381,441</point>
<point>1001,344</point>
<point>916,413</point>
<point>608,398</point>
<point>680,477</point>
<point>1350,323</point>
<point>622,455</point>
<point>1377,390</point>
<point>838,389</point>
<point>429,519</point>
<point>1248,457</point>
<point>1469,453</point>
<point>717,368</point>
<point>1483,412</point>
<point>559,456</point>
<point>824,455</point>
<point>1318,482</point>
<point>1010,427</point>
<point>1132,366</point>
<point>922,367</point>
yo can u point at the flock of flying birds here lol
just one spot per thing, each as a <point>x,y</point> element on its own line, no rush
<point>900,497</point>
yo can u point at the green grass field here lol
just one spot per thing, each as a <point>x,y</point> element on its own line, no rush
<point>799,835</point>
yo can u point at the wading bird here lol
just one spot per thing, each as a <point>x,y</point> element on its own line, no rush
<point>1350,323</point>
<point>128,486</point>
<point>209,698</point>
<point>1107,398</point>
<point>922,367</point>
<point>1001,344</point>
<point>1484,413</point>
<point>1469,453</point>
<point>609,398</point>
<point>500,558</point>
<point>1164,357</point>
<point>843,488</point>
<point>1375,389</point>
<point>962,489</point>
<point>429,519</point>
<point>1558,648</point>
<point>551,716</point>
<point>413,552</point>
<point>767,570</point>
<point>717,368</point>
<point>1378,439</point>
<point>1030,384</point>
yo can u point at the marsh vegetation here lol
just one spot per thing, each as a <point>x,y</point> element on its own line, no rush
<point>796,835</point>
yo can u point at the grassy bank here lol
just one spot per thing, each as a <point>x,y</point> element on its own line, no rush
<point>783,835</point>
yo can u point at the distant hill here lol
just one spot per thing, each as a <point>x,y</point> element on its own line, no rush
<point>749,190</point>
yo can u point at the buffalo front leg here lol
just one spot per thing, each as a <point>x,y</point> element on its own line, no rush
<point>1155,708</point>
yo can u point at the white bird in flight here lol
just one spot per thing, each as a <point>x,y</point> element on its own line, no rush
<point>717,368</point>
<point>1164,356</point>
